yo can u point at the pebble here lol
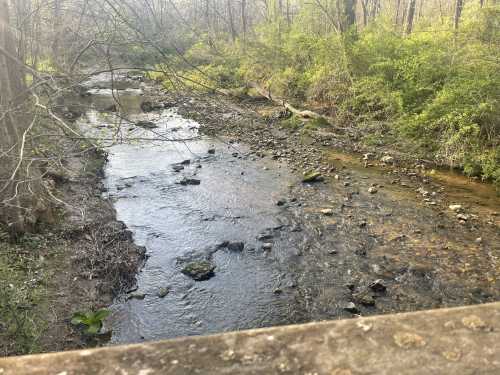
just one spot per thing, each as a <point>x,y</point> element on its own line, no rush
<point>372,190</point>
<point>351,307</point>
<point>327,212</point>
<point>267,246</point>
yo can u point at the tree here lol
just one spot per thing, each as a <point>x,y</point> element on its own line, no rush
<point>19,178</point>
<point>410,16</point>
<point>458,11</point>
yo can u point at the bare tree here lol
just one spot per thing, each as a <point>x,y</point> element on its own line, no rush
<point>19,177</point>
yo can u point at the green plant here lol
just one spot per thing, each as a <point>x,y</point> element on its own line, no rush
<point>90,321</point>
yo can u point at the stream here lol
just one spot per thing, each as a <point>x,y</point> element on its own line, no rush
<point>284,252</point>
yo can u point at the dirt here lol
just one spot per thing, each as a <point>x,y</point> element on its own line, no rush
<point>86,257</point>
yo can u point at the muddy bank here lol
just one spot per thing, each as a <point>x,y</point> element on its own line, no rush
<point>78,263</point>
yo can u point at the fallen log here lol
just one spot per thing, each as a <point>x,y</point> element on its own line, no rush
<point>305,114</point>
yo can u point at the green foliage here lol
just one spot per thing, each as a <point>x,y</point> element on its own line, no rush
<point>90,321</point>
<point>435,88</point>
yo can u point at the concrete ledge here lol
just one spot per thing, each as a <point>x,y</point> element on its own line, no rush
<point>457,341</point>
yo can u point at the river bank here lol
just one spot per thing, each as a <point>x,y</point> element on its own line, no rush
<point>77,263</point>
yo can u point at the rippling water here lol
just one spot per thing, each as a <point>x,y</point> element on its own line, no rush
<point>235,201</point>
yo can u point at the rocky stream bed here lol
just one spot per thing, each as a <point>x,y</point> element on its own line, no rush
<point>237,237</point>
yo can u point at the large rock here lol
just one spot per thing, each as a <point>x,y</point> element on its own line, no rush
<point>312,176</point>
<point>199,270</point>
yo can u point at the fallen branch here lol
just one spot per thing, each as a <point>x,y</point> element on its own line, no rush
<point>305,114</point>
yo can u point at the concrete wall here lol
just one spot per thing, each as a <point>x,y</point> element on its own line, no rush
<point>456,341</point>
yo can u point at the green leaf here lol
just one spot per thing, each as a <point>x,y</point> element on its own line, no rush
<point>93,329</point>
<point>101,314</point>
<point>78,318</point>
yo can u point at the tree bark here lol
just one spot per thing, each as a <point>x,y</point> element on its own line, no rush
<point>409,16</point>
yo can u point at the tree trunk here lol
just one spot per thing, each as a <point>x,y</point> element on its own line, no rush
<point>244,22</point>
<point>231,20</point>
<point>350,13</point>
<point>396,16</point>
<point>409,16</point>
<point>458,11</point>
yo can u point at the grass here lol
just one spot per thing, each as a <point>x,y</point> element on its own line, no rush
<point>23,291</point>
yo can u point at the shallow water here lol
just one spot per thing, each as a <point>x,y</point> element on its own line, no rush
<point>317,263</point>
<point>235,201</point>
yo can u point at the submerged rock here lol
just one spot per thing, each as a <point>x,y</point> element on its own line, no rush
<point>146,124</point>
<point>177,167</point>
<point>235,246</point>
<point>163,292</point>
<point>189,181</point>
<point>136,295</point>
<point>199,270</point>
<point>267,246</point>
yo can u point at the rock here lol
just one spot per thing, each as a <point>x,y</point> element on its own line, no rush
<point>327,212</point>
<point>367,156</point>
<point>163,292</point>
<point>372,190</point>
<point>146,124</point>
<point>281,202</point>
<point>277,291</point>
<point>312,176</point>
<point>267,246</point>
<point>364,298</point>
<point>479,240</point>
<point>149,106</point>
<point>462,217</point>
<point>136,295</point>
<point>235,246</point>
<point>456,207</point>
<point>189,181</point>
<point>387,159</point>
<point>185,162</point>
<point>211,151</point>
<point>350,307</point>
<point>378,286</point>
<point>177,167</point>
<point>199,270</point>
<point>265,236</point>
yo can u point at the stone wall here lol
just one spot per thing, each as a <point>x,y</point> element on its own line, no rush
<point>457,341</point>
